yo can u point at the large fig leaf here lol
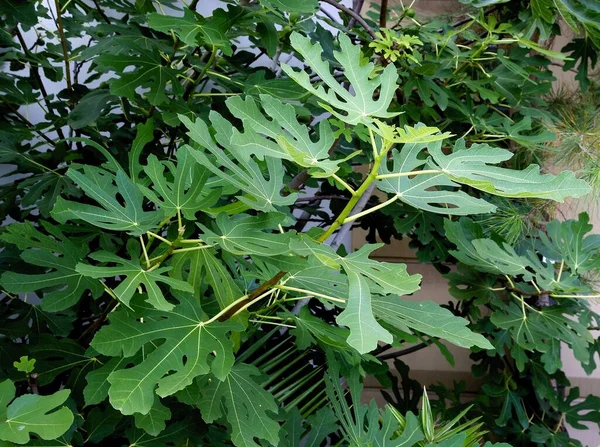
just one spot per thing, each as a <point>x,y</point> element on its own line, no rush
<point>353,106</point>
<point>182,345</point>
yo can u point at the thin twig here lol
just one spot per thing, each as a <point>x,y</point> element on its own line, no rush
<point>323,197</point>
<point>383,13</point>
<point>96,324</point>
<point>403,352</point>
<point>328,14</point>
<point>30,124</point>
<point>65,50</point>
<point>35,74</point>
<point>357,6</point>
<point>102,14</point>
<point>354,15</point>
<point>360,205</point>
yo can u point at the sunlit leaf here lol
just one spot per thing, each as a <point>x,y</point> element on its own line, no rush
<point>352,108</point>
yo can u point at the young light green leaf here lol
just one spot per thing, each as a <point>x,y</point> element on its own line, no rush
<point>105,188</point>
<point>182,341</point>
<point>185,193</point>
<point>408,134</point>
<point>32,413</point>
<point>352,108</point>
<point>134,275</point>
<point>260,193</point>
<point>25,364</point>
<point>248,408</point>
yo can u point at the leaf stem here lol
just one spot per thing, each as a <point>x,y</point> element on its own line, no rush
<point>344,184</point>
<point>408,174</point>
<point>145,252</point>
<point>180,228</point>
<point>207,66</point>
<point>216,94</point>
<point>200,247</point>
<point>191,241</point>
<point>371,210</point>
<point>273,323</point>
<point>560,270</point>
<point>160,238</point>
<point>554,295</point>
<point>311,293</point>
<point>235,306</point>
<point>373,144</point>
<point>356,197</point>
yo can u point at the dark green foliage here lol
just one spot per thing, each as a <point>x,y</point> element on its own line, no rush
<point>160,285</point>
